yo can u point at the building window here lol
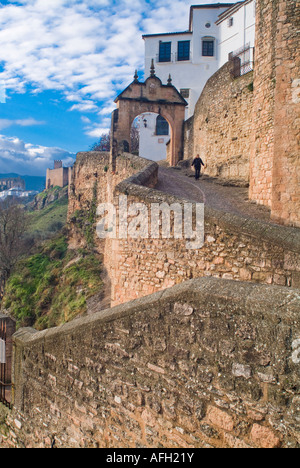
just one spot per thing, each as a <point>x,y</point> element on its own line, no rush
<point>162,126</point>
<point>183,50</point>
<point>208,47</point>
<point>165,52</point>
<point>185,93</point>
<point>208,25</point>
<point>230,22</point>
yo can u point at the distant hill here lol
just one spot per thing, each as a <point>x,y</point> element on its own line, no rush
<point>32,182</point>
<point>47,214</point>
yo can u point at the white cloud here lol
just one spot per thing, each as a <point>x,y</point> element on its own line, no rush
<point>87,49</point>
<point>84,106</point>
<point>17,156</point>
<point>97,132</point>
<point>5,123</point>
<point>65,45</point>
<point>85,119</point>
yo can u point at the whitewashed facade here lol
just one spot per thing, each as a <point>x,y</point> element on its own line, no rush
<point>191,57</point>
<point>152,146</point>
<point>17,193</point>
<point>236,30</point>
<point>191,71</point>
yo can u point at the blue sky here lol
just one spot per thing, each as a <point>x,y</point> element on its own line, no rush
<point>62,63</point>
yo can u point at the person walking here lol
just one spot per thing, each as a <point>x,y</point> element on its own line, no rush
<point>197,163</point>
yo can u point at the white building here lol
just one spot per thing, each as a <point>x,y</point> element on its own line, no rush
<point>237,32</point>
<point>155,135</point>
<point>17,192</point>
<point>191,57</point>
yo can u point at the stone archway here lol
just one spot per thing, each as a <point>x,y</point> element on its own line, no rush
<point>150,96</point>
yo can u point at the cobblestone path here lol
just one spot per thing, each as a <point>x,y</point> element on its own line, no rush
<point>206,190</point>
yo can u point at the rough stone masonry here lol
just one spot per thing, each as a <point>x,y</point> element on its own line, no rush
<point>208,363</point>
<point>235,247</point>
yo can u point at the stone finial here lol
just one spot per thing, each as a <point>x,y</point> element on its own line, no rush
<point>136,77</point>
<point>152,68</point>
<point>169,80</point>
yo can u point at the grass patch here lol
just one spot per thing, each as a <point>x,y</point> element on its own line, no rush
<point>52,286</point>
<point>48,220</point>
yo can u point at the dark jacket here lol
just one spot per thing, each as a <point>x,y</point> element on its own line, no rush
<point>197,163</point>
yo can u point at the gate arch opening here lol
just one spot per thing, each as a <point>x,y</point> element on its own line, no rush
<point>154,133</point>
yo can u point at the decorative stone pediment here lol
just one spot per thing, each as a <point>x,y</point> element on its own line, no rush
<point>149,96</point>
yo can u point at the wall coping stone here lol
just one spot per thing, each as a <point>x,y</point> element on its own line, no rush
<point>283,236</point>
<point>251,298</point>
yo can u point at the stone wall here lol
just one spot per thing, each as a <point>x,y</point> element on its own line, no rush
<point>286,169</point>
<point>261,165</point>
<point>94,181</point>
<point>275,163</point>
<point>208,363</point>
<point>221,127</point>
<point>235,247</point>
<point>248,128</point>
<point>188,136</point>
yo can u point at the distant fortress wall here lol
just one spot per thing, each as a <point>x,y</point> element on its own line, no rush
<point>12,182</point>
<point>57,177</point>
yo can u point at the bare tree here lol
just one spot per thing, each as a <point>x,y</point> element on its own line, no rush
<point>12,243</point>
<point>103,144</point>
<point>135,139</point>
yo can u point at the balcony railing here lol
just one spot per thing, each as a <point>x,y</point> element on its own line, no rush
<point>243,61</point>
<point>179,58</point>
<point>173,58</point>
<point>162,59</point>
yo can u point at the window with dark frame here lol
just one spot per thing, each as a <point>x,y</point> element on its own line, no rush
<point>164,52</point>
<point>162,126</point>
<point>208,48</point>
<point>185,93</point>
<point>183,50</point>
<point>230,22</point>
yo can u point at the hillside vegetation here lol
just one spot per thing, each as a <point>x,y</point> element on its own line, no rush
<point>51,284</point>
<point>48,214</point>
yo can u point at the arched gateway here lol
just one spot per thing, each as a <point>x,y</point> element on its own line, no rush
<point>151,96</point>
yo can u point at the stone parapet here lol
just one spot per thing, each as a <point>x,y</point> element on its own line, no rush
<point>208,363</point>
